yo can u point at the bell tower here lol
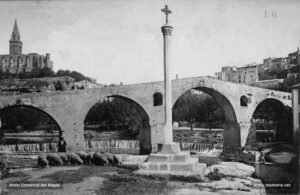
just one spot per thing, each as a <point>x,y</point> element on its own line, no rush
<point>15,44</point>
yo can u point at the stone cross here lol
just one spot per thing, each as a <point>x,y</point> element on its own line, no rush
<point>166,11</point>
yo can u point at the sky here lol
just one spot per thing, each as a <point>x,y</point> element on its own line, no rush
<point>117,41</point>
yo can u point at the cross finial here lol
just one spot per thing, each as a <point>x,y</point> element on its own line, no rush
<point>166,11</point>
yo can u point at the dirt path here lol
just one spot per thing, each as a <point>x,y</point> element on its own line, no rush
<point>88,186</point>
<point>37,173</point>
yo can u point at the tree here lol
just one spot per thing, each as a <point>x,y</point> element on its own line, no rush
<point>74,74</point>
<point>189,108</point>
<point>46,72</point>
<point>117,113</point>
<point>211,107</point>
<point>27,117</point>
<point>193,107</point>
<point>289,82</point>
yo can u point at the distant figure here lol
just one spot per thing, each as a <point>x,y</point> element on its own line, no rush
<point>62,145</point>
<point>261,155</point>
<point>175,125</point>
<point>270,139</point>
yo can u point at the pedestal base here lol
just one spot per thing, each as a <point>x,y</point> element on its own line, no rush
<point>173,148</point>
<point>171,161</point>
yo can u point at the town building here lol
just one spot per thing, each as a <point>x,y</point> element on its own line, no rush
<point>244,75</point>
<point>17,62</point>
<point>226,73</point>
<point>274,64</point>
<point>249,74</point>
<point>84,84</point>
<point>285,63</point>
<point>294,57</point>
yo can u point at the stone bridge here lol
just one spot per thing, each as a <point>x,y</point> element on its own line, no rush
<point>69,108</point>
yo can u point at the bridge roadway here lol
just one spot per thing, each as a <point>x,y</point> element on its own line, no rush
<point>69,108</point>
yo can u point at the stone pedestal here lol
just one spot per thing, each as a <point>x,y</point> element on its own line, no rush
<point>171,161</point>
<point>172,164</point>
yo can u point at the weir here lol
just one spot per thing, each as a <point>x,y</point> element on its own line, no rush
<point>114,146</point>
<point>37,147</point>
<point>200,147</point>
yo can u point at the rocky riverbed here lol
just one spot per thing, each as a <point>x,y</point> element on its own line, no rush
<point>231,178</point>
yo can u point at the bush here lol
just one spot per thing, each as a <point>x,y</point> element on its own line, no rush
<point>215,175</point>
<point>3,165</point>
<point>74,74</point>
<point>58,86</point>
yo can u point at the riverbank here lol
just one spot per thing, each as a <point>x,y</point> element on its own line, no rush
<point>121,180</point>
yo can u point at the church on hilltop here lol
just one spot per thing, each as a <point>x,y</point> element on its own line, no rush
<point>16,62</point>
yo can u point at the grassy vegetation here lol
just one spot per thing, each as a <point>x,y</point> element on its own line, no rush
<point>75,176</point>
<point>13,161</point>
<point>18,174</point>
<point>118,180</point>
<point>131,184</point>
<point>121,180</point>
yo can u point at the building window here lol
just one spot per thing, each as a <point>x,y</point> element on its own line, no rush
<point>157,99</point>
<point>243,101</point>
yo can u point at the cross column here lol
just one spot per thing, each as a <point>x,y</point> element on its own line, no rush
<point>168,146</point>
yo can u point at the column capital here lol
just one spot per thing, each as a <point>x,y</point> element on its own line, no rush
<point>166,30</point>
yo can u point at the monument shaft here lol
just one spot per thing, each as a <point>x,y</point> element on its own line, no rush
<point>168,131</point>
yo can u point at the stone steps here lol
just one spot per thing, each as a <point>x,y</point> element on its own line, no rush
<point>171,161</point>
<point>183,169</point>
<point>172,164</point>
<point>158,157</point>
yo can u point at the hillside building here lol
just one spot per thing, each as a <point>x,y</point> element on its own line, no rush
<point>274,64</point>
<point>244,75</point>
<point>285,63</point>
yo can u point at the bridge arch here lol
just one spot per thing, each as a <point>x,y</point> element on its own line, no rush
<point>20,118</point>
<point>92,96</point>
<point>273,115</point>
<point>231,129</point>
<point>144,136</point>
<point>219,97</point>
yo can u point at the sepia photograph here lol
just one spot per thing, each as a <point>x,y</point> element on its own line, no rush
<point>177,97</point>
